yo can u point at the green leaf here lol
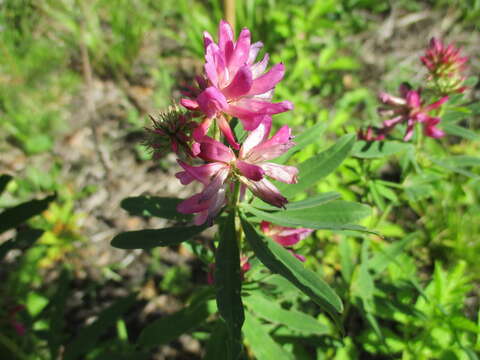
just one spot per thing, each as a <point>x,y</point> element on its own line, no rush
<point>228,285</point>
<point>4,180</point>
<point>260,342</point>
<point>309,136</point>
<point>150,238</point>
<point>16,215</point>
<point>460,131</point>
<point>170,327</point>
<point>217,346</point>
<point>378,149</point>
<point>163,207</point>
<point>380,261</point>
<point>450,165</point>
<point>319,166</point>
<point>304,204</point>
<point>364,285</point>
<point>334,215</point>
<point>294,320</point>
<point>346,262</point>
<point>24,239</point>
<point>89,335</point>
<point>281,261</point>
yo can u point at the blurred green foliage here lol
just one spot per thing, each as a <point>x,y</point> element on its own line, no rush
<point>412,295</point>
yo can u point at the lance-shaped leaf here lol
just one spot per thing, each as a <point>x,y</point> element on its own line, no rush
<point>319,166</point>
<point>150,238</point>
<point>379,149</point>
<point>261,343</point>
<point>333,215</point>
<point>168,328</point>
<point>269,309</point>
<point>163,207</point>
<point>281,261</point>
<point>228,284</point>
<point>310,202</point>
<point>16,215</point>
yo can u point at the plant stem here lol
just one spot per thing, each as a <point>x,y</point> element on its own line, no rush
<point>229,12</point>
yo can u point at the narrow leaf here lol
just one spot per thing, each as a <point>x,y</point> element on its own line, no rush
<point>319,166</point>
<point>16,215</point>
<point>460,131</point>
<point>168,328</point>
<point>304,204</point>
<point>378,149</point>
<point>163,207</point>
<point>228,284</point>
<point>334,215</point>
<point>281,261</point>
<point>261,343</point>
<point>380,261</point>
<point>150,238</point>
<point>292,319</point>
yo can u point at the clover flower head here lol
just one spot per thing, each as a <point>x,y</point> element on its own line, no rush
<point>235,84</point>
<point>410,109</point>
<point>445,66</point>
<point>251,167</point>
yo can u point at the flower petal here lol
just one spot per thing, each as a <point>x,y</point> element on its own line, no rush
<point>227,132</point>
<point>266,191</point>
<point>268,80</point>
<point>250,171</point>
<point>213,150</point>
<point>240,85</point>
<point>240,53</point>
<point>211,101</point>
<point>283,173</point>
<point>202,173</point>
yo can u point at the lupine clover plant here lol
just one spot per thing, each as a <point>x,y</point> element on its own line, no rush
<point>225,140</point>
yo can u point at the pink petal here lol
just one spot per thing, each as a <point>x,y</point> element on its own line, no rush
<point>192,205</point>
<point>283,173</point>
<point>254,138</point>
<point>266,191</point>
<point>268,80</point>
<point>213,150</point>
<point>211,101</point>
<point>215,184</point>
<point>391,100</point>
<point>189,104</point>
<point>250,171</point>
<point>207,39</point>
<point>225,35</point>
<point>393,122</point>
<point>409,132</point>
<point>241,51</point>
<point>240,85</point>
<point>431,130</point>
<point>272,148</point>
<point>254,49</point>
<point>259,67</point>
<point>413,99</point>
<point>202,173</point>
<point>436,104</point>
<point>227,132</point>
<point>201,130</point>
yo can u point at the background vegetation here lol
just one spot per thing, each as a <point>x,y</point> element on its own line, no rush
<point>77,79</point>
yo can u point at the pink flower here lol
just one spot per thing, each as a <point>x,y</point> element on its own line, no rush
<point>372,134</point>
<point>285,236</point>
<point>409,109</point>
<point>236,85</point>
<point>172,132</point>
<point>251,168</point>
<point>445,66</point>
